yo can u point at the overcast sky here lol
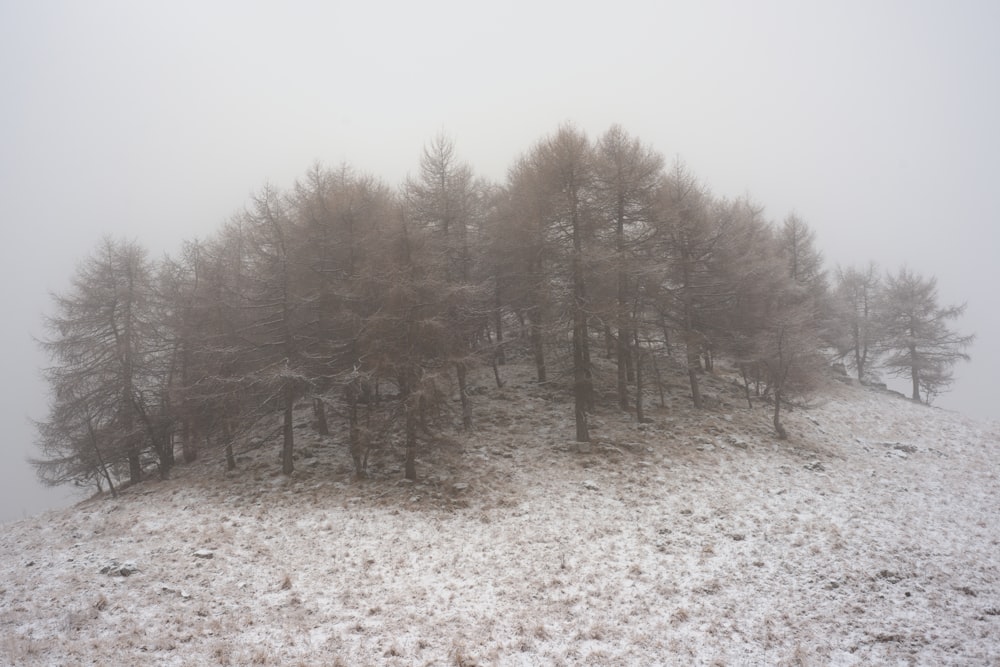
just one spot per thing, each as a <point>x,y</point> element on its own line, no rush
<point>877,122</point>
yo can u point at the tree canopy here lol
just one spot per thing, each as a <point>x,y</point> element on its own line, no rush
<point>374,302</point>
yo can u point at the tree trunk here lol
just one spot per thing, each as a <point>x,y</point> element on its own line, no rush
<point>746,386</point>
<point>537,346</point>
<point>100,460</point>
<point>134,465</point>
<point>659,381</point>
<point>693,363</point>
<point>500,357</point>
<point>623,355</point>
<point>287,466</point>
<point>859,362</point>
<point>914,374</point>
<point>496,373</point>
<point>693,380</point>
<point>460,371</point>
<point>410,471</point>
<point>188,449</point>
<point>640,415</point>
<point>581,381</point>
<point>354,432</point>
<point>319,410</point>
<point>778,428</point>
<point>227,435</point>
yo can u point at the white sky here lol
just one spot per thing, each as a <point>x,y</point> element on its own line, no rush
<point>877,122</point>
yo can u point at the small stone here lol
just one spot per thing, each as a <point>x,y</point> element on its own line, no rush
<point>204,553</point>
<point>590,484</point>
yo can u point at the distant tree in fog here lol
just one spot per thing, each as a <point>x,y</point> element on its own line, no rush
<point>856,299</point>
<point>917,339</point>
<point>102,343</point>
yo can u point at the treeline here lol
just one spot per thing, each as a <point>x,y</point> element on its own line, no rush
<point>379,300</point>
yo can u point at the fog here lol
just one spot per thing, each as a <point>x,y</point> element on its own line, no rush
<point>875,122</point>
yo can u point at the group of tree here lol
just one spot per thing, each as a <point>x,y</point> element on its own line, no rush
<point>894,323</point>
<point>375,302</point>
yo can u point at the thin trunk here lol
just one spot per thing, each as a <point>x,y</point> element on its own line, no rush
<point>411,441</point>
<point>778,428</point>
<point>693,366</point>
<point>581,384</point>
<point>746,386</point>
<point>496,372</point>
<point>287,466</point>
<point>190,452</point>
<point>319,410</point>
<point>537,345</point>
<point>640,416</point>
<point>354,432</point>
<point>227,435</point>
<point>623,363</point>
<point>100,459</point>
<point>501,357</point>
<point>134,465</point>
<point>659,381</point>
<point>460,371</point>
<point>859,362</point>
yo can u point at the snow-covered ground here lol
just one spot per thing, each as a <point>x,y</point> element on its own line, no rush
<point>870,537</point>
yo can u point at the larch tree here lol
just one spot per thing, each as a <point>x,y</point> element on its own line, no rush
<point>565,173</point>
<point>856,294</point>
<point>524,255</point>
<point>917,338</point>
<point>627,175</point>
<point>274,333</point>
<point>443,200</point>
<point>689,238</point>
<point>99,340</point>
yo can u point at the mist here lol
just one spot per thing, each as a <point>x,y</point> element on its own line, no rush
<point>875,124</point>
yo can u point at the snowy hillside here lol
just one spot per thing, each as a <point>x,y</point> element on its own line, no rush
<point>872,536</point>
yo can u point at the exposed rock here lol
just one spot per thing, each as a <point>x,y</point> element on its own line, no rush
<point>116,569</point>
<point>204,553</point>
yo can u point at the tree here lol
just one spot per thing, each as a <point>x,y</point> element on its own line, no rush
<point>443,201</point>
<point>805,262</point>
<point>690,237</point>
<point>917,340</point>
<point>408,339</point>
<point>100,340</point>
<point>627,175</point>
<point>275,334</point>
<point>566,174</point>
<point>857,294</point>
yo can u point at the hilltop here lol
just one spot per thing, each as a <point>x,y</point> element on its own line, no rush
<point>870,536</point>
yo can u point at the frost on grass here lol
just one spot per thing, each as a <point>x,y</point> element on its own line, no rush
<point>869,538</point>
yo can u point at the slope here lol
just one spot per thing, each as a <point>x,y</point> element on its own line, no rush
<point>870,537</point>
